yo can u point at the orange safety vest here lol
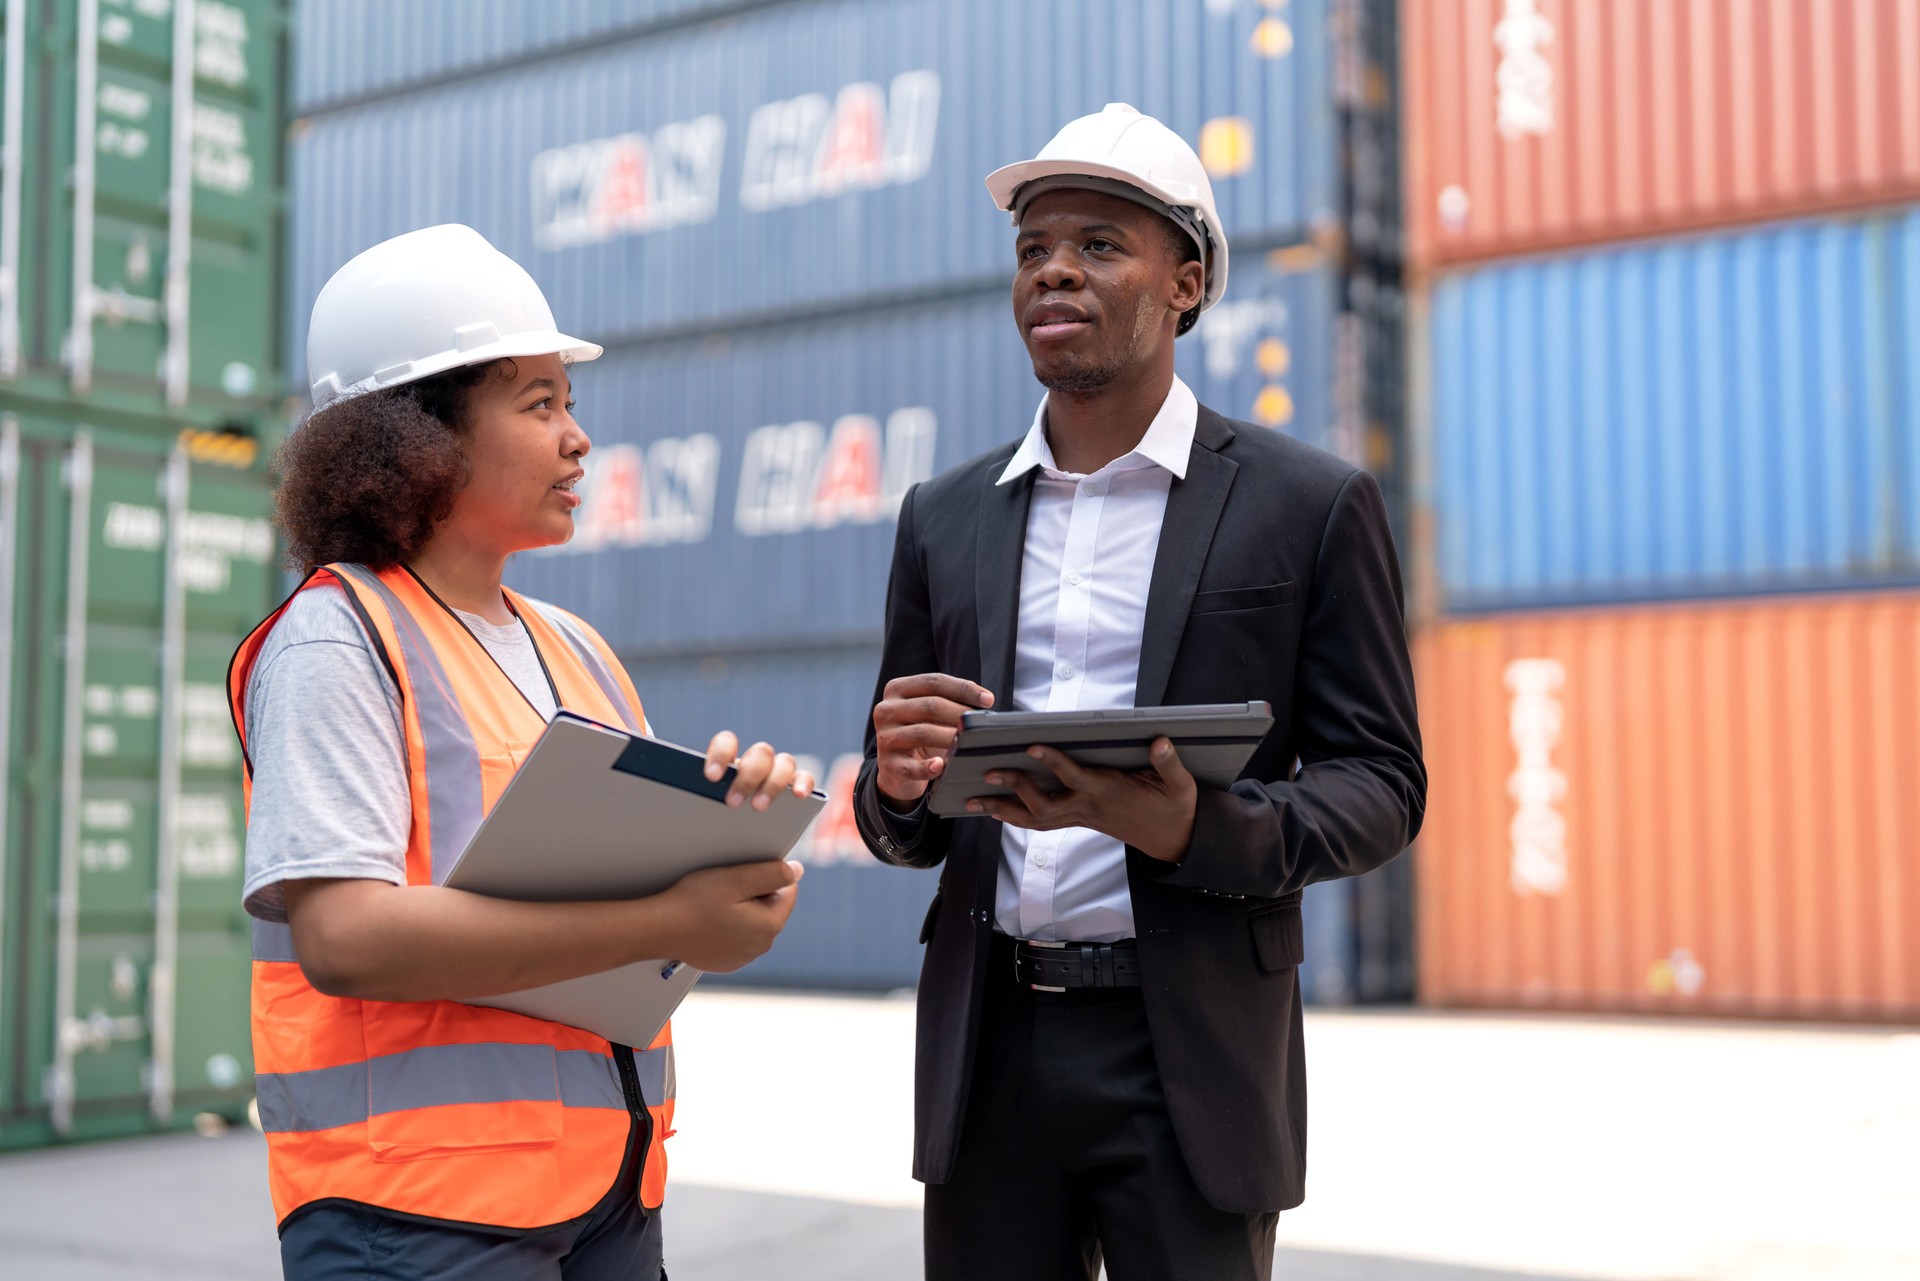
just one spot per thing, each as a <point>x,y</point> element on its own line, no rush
<point>434,1108</point>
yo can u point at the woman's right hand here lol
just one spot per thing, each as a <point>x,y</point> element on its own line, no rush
<point>725,917</point>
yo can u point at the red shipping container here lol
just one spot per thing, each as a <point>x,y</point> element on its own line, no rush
<point>1704,808</point>
<point>1538,124</point>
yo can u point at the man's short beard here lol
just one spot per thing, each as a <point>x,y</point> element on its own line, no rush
<point>1081,378</point>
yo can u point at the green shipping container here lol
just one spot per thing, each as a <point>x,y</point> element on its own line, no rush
<point>140,208</point>
<point>141,205</point>
<point>128,575</point>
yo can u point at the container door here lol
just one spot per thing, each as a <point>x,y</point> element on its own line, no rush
<point>161,568</point>
<point>168,125</point>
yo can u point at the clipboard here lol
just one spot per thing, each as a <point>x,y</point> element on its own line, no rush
<point>1215,741</point>
<point>598,813</point>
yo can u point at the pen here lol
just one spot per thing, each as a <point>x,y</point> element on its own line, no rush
<point>672,967</point>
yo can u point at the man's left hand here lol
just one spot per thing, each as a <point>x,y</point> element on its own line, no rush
<point>1151,809</point>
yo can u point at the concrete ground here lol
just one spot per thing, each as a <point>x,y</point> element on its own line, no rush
<point>1444,1148</point>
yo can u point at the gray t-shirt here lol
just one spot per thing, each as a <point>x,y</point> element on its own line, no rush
<point>330,794</point>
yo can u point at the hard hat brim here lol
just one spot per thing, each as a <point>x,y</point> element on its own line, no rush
<point>539,343</point>
<point>1004,183</point>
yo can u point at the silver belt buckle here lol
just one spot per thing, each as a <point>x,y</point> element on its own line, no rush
<point>1038,987</point>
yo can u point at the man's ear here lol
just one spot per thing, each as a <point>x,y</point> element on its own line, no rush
<point>1190,286</point>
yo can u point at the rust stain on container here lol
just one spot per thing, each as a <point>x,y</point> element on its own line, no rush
<point>1704,808</point>
<point>1538,124</point>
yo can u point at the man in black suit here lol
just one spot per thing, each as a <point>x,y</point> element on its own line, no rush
<point>1109,1049</point>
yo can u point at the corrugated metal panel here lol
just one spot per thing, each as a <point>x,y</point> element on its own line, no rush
<point>1702,809</point>
<point>1535,123</point>
<point>742,488</point>
<point>681,181</point>
<point>348,49</point>
<point>857,922</point>
<point>1731,414</point>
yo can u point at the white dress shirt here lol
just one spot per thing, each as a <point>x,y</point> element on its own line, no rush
<point>1091,543</point>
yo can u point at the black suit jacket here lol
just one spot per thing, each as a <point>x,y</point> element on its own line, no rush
<point>1275,579</point>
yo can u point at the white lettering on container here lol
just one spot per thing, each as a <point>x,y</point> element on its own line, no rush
<point>220,43</point>
<point>1538,831</point>
<point>628,185</point>
<point>646,498</point>
<point>1523,80</point>
<point>796,476</point>
<point>807,148</point>
<point>220,159</point>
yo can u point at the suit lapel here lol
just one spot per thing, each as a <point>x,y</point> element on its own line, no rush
<point>1000,547</point>
<point>1193,512</point>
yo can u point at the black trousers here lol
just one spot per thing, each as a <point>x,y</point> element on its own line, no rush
<point>1068,1157</point>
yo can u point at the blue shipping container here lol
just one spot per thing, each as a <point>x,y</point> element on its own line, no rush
<point>1731,414</point>
<point>742,488</point>
<point>857,922</point>
<point>347,50</point>
<point>813,155</point>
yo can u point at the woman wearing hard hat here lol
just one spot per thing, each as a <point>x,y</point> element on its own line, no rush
<point>382,710</point>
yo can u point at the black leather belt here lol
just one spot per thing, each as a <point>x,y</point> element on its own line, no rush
<point>1059,966</point>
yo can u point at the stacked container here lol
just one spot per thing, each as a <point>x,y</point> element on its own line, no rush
<point>1669,470</point>
<point>773,215</point>
<point>139,376</point>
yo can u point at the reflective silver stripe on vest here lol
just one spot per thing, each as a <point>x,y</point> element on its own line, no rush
<point>657,1082</point>
<point>454,806</point>
<point>435,1076</point>
<point>590,657</point>
<point>272,941</point>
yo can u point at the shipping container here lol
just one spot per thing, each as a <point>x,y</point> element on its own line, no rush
<point>857,921</point>
<point>128,574</point>
<point>1541,123</point>
<point>809,156</point>
<point>140,208</point>
<point>343,51</point>
<point>1700,808</point>
<point>770,462</point>
<point>1729,414</point>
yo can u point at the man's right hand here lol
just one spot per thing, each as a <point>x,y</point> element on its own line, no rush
<point>724,917</point>
<point>914,726</point>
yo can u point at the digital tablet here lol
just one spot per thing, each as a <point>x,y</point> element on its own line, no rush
<point>1214,741</point>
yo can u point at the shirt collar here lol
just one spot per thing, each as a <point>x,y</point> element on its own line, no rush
<point>1168,442</point>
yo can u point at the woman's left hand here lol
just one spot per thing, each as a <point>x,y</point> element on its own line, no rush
<point>760,773</point>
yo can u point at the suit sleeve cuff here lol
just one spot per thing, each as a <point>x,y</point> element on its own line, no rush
<point>892,836</point>
<point>1199,869</point>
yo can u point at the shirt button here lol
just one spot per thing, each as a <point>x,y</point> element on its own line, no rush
<point>1040,859</point>
<point>1092,489</point>
<point>1074,579</point>
<point>1066,671</point>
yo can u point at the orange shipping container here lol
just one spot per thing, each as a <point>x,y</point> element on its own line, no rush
<point>1534,124</point>
<point>1707,808</point>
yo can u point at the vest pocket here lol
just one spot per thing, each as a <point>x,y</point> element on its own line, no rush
<point>447,1100</point>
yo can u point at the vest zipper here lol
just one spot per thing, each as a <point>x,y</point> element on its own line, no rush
<point>629,1077</point>
<point>637,1107</point>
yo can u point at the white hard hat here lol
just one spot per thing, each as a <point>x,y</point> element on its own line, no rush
<point>1122,152</point>
<point>424,303</point>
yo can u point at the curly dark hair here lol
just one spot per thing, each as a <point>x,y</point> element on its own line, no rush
<point>366,480</point>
